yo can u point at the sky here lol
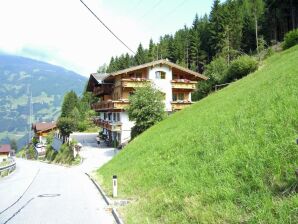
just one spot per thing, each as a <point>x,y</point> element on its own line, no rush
<point>65,33</point>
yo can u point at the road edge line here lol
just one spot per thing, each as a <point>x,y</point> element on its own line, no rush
<point>107,200</point>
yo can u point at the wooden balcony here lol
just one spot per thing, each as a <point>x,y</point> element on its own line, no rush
<point>183,84</point>
<point>102,90</point>
<point>134,83</point>
<point>179,105</point>
<point>110,105</point>
<point>112,126</point>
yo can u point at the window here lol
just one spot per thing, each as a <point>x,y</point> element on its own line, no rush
<point>138,75</point>
<point>180,96</point>
<point>114,116</point>
<point>174,96</point>
<point>118,116</point>
<point>160,75</point>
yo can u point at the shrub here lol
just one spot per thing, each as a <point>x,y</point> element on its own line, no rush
<point>291,39</point>
<point>65,155</point>
<point>217,70</point>
<point>21,153</point>
<point>50,153</point>
<point>241,67</point>
<point>31,153</point>
<point>82,126</point>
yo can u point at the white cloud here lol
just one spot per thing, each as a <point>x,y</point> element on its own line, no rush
<point>64,32</point>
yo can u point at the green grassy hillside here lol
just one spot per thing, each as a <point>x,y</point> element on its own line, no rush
<point>229,158</point>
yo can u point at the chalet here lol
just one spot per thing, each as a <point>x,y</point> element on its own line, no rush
<point>113,90</point>
<point>5,152</point>
<point>42,129</point>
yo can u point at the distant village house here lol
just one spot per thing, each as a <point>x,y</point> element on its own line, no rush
<point>42,129</point>
<point>5,152</point>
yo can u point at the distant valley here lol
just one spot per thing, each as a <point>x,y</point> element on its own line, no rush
<point>19,78</point>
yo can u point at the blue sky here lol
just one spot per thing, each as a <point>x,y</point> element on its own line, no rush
<point>66,34</point>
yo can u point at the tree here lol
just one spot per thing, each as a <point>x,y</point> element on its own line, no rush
<point>140,56</point>
<point>66,126</point>
<point>151,55</point>
<point>146,108</point>
<point>13,144</point>
<point>69,103</point>
<point>216,28</point>
<point>256,8</point>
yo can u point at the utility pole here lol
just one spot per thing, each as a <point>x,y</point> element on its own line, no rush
<point>30,113</point>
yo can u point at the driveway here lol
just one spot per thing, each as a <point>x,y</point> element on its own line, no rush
<point>45,193</point>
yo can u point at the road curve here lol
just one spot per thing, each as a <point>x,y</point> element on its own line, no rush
<point>44,193</point>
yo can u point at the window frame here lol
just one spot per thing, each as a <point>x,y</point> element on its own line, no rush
<point>160,75</point>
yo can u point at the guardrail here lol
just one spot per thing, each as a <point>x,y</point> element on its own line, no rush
<point>5,170</point>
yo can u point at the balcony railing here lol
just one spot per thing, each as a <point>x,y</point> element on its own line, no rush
<point>110,125</point>
<point>110,105</point>
<point>183,84</point>
<point>100,90</point>
<point>179,105</point>
<point>135,82</point>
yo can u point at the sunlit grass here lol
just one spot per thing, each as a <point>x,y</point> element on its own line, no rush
<point>230,158</point>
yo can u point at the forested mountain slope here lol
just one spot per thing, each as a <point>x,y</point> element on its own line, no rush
<point>48,83</point>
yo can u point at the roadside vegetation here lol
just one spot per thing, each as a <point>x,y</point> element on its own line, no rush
<point>64,156</point>
<point>230,158</point>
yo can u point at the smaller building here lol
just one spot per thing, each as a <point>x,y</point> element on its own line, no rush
<point>5,152</point>
<point>42,129</point>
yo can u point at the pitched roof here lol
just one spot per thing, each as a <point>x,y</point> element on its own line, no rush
<point>5,148</point>
<point>99,77</point>
<point>153,63</point>
<point>43,126</point>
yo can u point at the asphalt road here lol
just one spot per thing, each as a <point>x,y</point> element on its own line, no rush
<point>44,193</point>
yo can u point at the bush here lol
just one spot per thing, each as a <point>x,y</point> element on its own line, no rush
<point>65,155</point>
<point>82,126</point>
<point>291,39</point>
<point>217,70</point>
<point>241,67</point>
<point>50,153</point>
<point>21,153</point>
<point>31,153</point>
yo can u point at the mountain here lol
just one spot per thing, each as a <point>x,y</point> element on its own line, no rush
<point>19,77</point>
<point>229,158</point>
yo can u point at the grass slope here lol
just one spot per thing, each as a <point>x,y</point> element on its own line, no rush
<point>229,158</point>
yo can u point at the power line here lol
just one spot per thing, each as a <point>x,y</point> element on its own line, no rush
<point>165,17</point>
<point>107,27</point>
<point>154,6</point>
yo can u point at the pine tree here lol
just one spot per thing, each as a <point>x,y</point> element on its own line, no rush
<point>140,56</point>
<point>216,27</point>
<point>151,55</point>
<point>69,103</point>
<point>256,9</point>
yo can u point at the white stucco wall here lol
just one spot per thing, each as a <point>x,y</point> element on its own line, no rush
<point>164,85</point>
<point>126,126</point>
